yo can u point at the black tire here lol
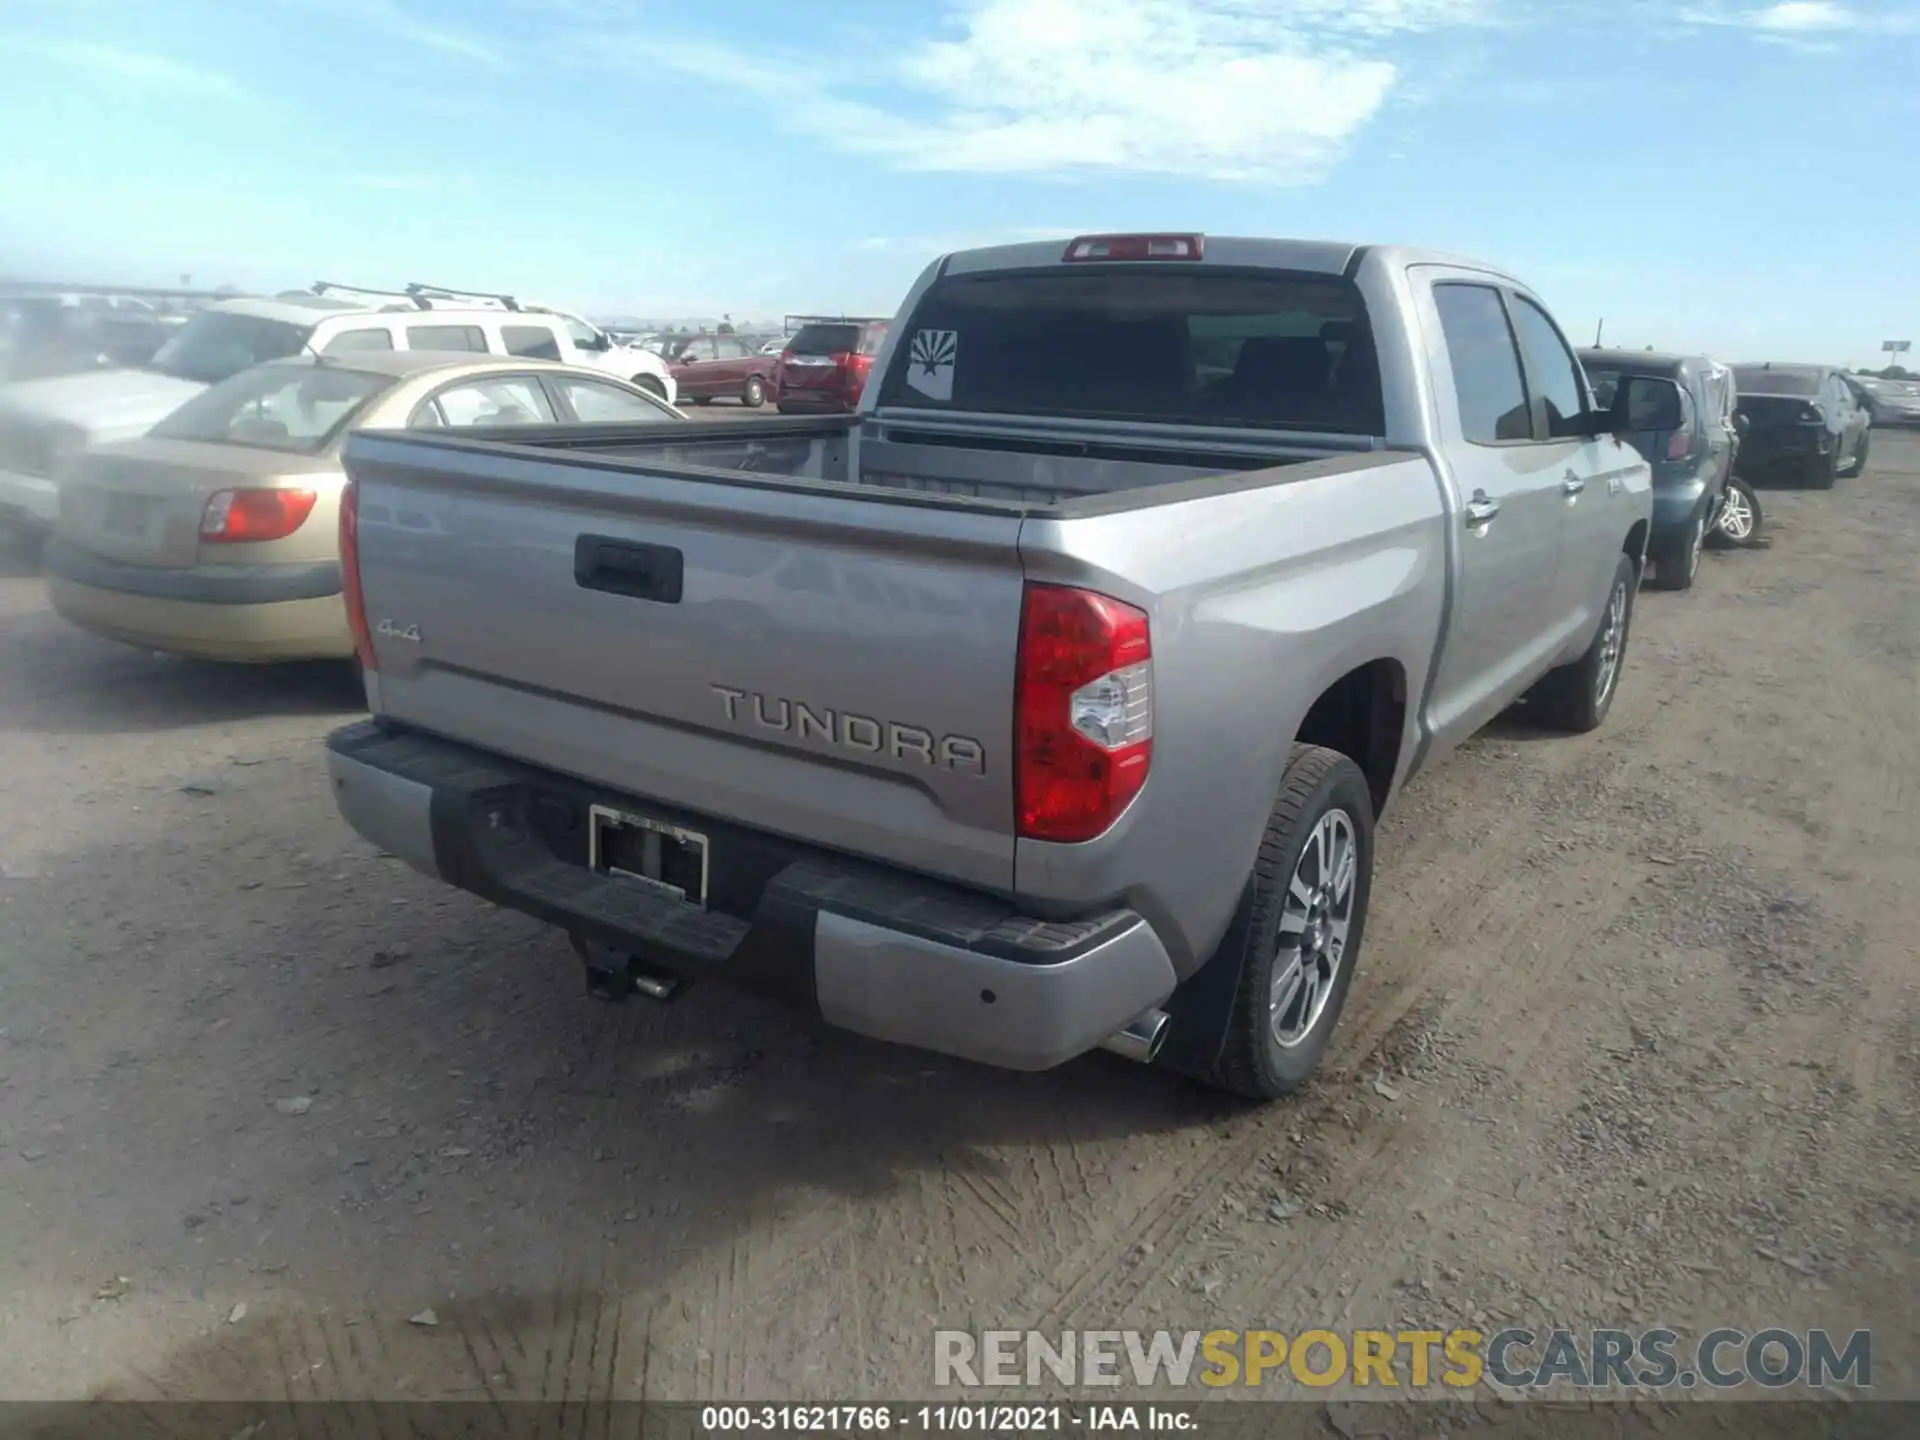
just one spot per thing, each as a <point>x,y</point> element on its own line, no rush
<point>1240,1049</point>
<point>651,384</point>
<point>1678,562</point>
<point>1859,463</point>
<point>1577,696</point>
<point>1745,517</point>
<point>1824,471</point>
<point>754,393</point>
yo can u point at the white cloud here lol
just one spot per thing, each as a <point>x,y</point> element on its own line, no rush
<point>1220,89</point>
<point>130,67</point>
<point>1807,24</point>
<point>388,18</point>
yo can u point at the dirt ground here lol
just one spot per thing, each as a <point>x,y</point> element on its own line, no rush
<point>1635,1040</point>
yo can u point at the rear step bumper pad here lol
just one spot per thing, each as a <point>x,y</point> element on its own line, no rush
<point>872,950</point>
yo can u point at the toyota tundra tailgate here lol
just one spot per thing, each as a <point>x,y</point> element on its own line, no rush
<point>817,662</point>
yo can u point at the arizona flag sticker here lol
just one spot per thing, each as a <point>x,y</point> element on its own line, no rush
<point>930,362</point>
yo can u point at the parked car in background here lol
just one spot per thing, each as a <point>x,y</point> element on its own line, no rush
<point>773,345</point>
<point>1048,704</point>
<point>717,367</point>
<point>216,534</point>
<point>1888,402</point>
<point>1691,462</point>
<point>1804,424</point>
<point>45,421</point>
<point>824,367</point>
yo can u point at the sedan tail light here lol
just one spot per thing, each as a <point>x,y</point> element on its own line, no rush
<point>253,516</point>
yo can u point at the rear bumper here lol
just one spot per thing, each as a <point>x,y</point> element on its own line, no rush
<point>235,634</point>
<point>869,949</point>
<point>814,402</point>
<point>1764,451</point>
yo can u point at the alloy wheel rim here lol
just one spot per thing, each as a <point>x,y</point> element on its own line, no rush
<point>1316,921</point>
<point>1736,519</point>
<point>1611,629</point>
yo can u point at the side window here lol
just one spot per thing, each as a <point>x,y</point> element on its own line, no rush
<point>731,349</point>
<point>447,337</point>
<point>593,402</point>
<point>583,335</point>
<point>1551,366</point>
<point>701,348</point>
<point>1485,364</point>
<point>349,341</point>
<point>871,338</point>
<point>508,400</point>
<point>535,342</point>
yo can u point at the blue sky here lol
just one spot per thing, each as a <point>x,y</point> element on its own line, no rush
<point>1729,175</point>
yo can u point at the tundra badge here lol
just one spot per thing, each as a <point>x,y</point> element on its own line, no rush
<point>848,731</point>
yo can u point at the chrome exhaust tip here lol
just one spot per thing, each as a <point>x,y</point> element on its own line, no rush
<point>1139,1039</point>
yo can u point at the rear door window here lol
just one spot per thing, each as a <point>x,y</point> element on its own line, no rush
<point>535,342</point>
<point>1265,349</point>
<point>447,337</point>
<point>496,400</point>
<point>1485,361</point>
<point>1551,368</point>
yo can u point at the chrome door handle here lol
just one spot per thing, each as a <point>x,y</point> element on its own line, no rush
<point>1481,509</point>
<point>1572,485</point>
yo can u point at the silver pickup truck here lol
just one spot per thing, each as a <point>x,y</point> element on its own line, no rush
<point>1049,702</point>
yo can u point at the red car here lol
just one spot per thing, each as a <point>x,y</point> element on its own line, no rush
<point>709,367</point>
<point>825,366</point>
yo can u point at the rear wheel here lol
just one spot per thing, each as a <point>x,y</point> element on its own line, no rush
<point>1824,471</point>
<point>1859,464</point>
<point>1676,566</point>
<point>1577,697</point>
<point>1296,937</point>
<point>1739,521</point>
<point>754,394</point>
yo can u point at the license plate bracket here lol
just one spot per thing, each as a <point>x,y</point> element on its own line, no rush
<point>669,859</point>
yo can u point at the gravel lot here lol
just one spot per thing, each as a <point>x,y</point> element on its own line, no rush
<point>1635,1040</point>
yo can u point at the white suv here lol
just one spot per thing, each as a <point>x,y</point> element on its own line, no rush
<point>42,422</point>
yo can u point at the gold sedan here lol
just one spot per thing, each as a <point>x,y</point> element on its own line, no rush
<point>216,535</point>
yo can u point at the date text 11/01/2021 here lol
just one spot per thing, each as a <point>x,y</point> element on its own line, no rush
<point>938,1419</point>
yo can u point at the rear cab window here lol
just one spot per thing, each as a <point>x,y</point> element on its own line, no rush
<point>1228,348</point>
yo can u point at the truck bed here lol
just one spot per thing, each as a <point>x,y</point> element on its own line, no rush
<point>1051,468</point>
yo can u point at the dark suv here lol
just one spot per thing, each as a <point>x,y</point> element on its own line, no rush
<point>825,366</point>
<point>1804,422</point>
<point>1691,465</point>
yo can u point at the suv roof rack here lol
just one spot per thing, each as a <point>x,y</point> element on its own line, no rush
<point>334,287</point>
<point>441,292</point>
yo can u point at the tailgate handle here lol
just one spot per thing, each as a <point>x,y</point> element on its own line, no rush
<point>625,567</point>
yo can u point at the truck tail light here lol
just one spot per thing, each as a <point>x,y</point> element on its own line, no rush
<point>350,576</point>
<point>1680,443</point>
<point>250,516</point>
<point>1083,712</point>
<point>1136,247</point>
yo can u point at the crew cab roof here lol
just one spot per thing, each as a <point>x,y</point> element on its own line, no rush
<point>1323,257</point>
